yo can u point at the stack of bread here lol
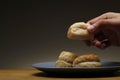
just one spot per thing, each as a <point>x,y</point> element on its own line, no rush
<point>70,59</point>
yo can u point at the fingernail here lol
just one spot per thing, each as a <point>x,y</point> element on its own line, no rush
<point>91,28</point>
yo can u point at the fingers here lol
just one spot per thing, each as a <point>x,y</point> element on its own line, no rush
<point>97,43</point>
<point>99,36</point>
<point>97,19</point>
<point>99,25</point>
<point>94,20</point>
<point>101,44</point>
<point>107,15</point>
<point>96,27</point>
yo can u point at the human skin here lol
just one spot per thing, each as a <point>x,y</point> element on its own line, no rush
<point>106,30</point>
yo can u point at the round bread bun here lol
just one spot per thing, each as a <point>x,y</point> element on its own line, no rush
<point>78,31</point>
<point>61,63</point>
<point>67,56</point>
<point>86,58</point>
<point>88,64</point>
<point>65,59</point>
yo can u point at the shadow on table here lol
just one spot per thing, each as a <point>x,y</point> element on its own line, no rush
<point>77,75</point>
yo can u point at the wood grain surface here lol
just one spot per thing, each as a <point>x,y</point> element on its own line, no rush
<point>33,74</point>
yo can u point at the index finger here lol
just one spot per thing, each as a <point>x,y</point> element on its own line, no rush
<point>94,20</point>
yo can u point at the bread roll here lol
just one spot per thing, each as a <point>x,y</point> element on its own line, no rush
<point>65,59</point>
<point>70,59</point>
<point>87,60</point>
<point>78,31</point>
<point>67,56</point>
<point>61,63</point>
<point>88,64</point>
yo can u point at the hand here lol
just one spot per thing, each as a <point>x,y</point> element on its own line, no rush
<point>106,30</point>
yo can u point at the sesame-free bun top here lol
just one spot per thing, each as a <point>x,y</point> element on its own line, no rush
<point>65,59</point>
<point>78,31</point>
<point>67,56</point>
<point>86,58</point>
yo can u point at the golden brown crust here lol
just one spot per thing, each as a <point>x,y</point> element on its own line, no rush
<point>61,63</point>
<point>88,64</point>
<point>86,58</point>
<point>67,56</point>
<point>70,59</point>
<point>78,31</point>
<point>65,59</point>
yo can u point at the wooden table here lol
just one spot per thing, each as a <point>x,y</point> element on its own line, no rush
<point>33,74</point>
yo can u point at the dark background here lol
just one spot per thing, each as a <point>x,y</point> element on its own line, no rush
<point>33,31</point>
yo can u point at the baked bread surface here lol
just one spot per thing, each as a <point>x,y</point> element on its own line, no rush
<point>65,59</point>
<point>87,60</point>
<point>78,31</point>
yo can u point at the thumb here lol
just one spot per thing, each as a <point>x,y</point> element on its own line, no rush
<point>98,25</point>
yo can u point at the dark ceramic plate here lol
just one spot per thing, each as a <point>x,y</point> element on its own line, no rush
<point>49,67</point>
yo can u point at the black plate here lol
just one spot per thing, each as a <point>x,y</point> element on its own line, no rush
<point>49,67</point>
